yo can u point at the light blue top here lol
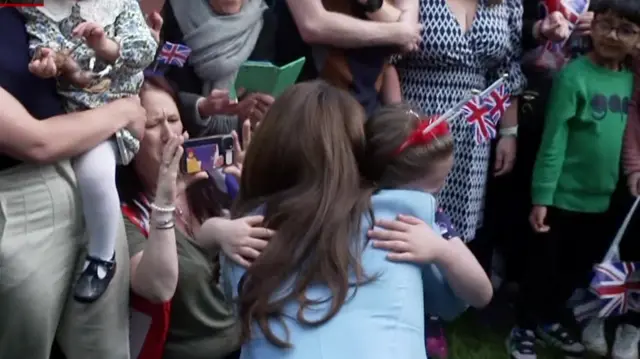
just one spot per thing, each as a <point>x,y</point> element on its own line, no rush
<point>385,318</point>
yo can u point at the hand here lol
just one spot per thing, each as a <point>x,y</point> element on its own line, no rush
<point>217,103</point>
<point>130,111</point>
<point>633,182</point>
<point>505,155</point>
<point>43,63</point>
<point>239,150</point>
<point>155,22</point>
<point>583,27</point>
<point>537,219</point>
<point>167,187</point>
<point>254,107</point>
<point>554,27</point>
<point>409,239</point>
<point>96,38</point>
<point>240,239</point>
<point>409,34</point>
<point>411,47</point>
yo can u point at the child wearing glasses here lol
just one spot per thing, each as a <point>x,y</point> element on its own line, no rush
<point>575,175</point>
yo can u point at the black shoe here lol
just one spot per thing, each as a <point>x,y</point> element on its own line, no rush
<point>521,344</point>
<point>557,336</point>
<point>89,287</point>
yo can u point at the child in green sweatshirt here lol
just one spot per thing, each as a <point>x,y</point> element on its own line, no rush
<point>575,175</point>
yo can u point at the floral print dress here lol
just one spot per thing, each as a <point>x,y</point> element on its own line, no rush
<point>51,26</point>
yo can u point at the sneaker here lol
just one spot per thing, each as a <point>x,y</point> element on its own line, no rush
<point>436,341</point>
<point>626,343</point>
<point>557,336</point>
<point>593,337</point>
<point>521,344</point>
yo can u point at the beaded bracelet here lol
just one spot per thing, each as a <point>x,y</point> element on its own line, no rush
<point>169,209</point>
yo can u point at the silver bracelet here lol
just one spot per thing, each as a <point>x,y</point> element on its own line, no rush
<point>169,209</point>
<point>509,131</point>
<point>166,224</point>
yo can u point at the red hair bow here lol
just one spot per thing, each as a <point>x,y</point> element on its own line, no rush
<point>423,135</point>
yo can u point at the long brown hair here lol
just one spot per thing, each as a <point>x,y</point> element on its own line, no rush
<point>302,170</point>
<point>386,131</point>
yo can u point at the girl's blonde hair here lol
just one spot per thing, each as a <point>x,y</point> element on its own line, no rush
<point>391,158</point>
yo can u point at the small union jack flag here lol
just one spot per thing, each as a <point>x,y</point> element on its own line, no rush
<point>617,286</point>
<point>478,114</point>
<point>497,102</point>
<point>174,54</point>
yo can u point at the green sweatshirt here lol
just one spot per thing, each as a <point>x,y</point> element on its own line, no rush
<point>579,158</point>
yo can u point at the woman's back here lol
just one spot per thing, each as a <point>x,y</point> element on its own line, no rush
<point>382,319</point>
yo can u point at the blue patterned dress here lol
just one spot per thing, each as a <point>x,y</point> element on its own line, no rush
<point>447,66</point>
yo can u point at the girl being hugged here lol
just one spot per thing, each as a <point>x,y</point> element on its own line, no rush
<point>319,289</point>
<point>97,50</point>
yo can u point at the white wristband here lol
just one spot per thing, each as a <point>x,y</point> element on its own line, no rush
<point>509,131</point>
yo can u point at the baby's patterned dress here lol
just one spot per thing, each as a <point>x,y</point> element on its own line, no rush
<point>123,21</point>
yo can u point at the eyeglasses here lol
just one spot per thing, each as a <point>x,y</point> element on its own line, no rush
<point>625,32</point>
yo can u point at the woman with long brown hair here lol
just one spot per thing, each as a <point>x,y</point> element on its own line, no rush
<point>319,289</point>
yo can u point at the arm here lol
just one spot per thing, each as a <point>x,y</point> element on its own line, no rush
<point>137,48</point>
<point>391,91</point>
<point>562,106</point>
<point>410,10</point>
<point>631,149</point>
<point>154,263</point>
<point>319,26</point>
<point>56,138</point>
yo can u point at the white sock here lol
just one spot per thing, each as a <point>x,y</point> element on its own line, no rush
<point>96,173</point>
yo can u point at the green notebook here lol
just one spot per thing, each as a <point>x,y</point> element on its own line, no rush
<point>265,77</point>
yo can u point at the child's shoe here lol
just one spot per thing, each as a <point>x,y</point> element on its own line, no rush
<point>521,344</point>
<point>557,336</point>
<point>94,279</point>
<point>436,341</point>
<point>626,343</point>
<point>593,337</point>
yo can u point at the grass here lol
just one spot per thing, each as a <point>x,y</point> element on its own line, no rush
<point>471,339</point>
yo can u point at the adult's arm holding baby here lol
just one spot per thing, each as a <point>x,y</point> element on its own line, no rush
<point>63,136</point>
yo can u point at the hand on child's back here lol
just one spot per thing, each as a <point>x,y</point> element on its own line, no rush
<point>409,239</point>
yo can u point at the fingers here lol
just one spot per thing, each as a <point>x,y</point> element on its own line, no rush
<point>252,220</point>
<point>402,257</point>
<point>234,171</point>
<point>237,148</point>
<point>393,225</point>
<point>261,233</point>
<point>156,21</point>
<point>255,243</point>
<point>246,134</point>
<point>499,162</point>
<point>240,261</point>
<point>385,235</point>
<point>410,219</point>
<point>248,253</point>
<point>393,246</point>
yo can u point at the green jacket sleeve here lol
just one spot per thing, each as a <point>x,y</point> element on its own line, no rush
<point>562,106</point>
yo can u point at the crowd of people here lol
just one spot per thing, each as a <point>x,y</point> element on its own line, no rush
<point>353,218</point>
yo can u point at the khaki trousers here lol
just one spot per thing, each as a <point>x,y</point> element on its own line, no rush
<point>42,248</point>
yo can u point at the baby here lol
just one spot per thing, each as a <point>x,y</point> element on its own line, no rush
<point>97,50</point>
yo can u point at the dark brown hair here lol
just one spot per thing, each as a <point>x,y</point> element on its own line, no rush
<point>386,131</point>
<point>302,170</point>
<point>204,198</point>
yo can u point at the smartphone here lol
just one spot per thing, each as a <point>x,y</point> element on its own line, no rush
<point>207,153</point>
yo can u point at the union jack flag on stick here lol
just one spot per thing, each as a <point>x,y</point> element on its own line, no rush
<point>485,110</point>
<point>616,284</point>
<point>173,54</point>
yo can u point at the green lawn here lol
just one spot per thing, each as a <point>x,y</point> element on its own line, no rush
<point>468,339</point>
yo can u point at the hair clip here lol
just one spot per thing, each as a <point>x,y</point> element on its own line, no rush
<point>425,133</point>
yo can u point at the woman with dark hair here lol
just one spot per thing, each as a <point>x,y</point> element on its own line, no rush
<point>168,220</point>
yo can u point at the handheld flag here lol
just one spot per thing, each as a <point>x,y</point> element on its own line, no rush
<point>174,54</point>
<point>477,115</point>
